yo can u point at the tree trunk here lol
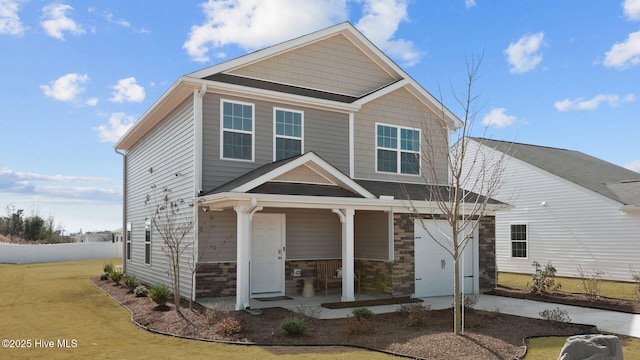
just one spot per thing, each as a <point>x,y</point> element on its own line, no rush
<point>457,306</point>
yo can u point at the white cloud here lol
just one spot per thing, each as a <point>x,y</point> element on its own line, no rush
<point>56,21</point>
<point>633,166</point>
<point>122,22</point>
<point>254,24</point>
<point>66,87</point>
<point>91,101</point>
<point>524,55</point>
<point>9,20</point>
<point>469,3</point>
<point>498,118</point>
<point>631,9</point>
<point>380,22</point>
<point>119,123</point>
<point>127,90</point>
<point>624,54</point>
<point>593,103</point>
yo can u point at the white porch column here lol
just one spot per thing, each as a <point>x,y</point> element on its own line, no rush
<point>348,270</point>
<point>242,260</point>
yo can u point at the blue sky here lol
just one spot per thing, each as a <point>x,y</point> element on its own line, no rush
<point>76,74</point>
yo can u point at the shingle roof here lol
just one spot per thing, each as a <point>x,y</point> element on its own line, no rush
<point>412,191</point>
<point>610,180</point>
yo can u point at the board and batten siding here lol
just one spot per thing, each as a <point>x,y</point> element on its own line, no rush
<point>325,133</point>
<point>333,64</point>
<point>399,108</point>
<point>567,224</point>
<point>164,158</point>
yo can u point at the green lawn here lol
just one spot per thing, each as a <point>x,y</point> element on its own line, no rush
<point>47,302</point>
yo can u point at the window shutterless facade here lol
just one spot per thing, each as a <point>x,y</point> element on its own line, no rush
<point>237,130</point>
<point>147,242</point>
<point>288,129</point>
<point>519,236</point>
<point>127,240</point>
<point>397,149</point>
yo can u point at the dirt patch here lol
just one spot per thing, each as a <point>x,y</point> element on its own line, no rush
<point>488,335</point>
<point>559,297</point>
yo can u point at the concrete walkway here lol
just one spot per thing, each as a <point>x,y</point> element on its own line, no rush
<point>606,321</point>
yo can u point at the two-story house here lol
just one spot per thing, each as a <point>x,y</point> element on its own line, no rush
<point>306,151</point>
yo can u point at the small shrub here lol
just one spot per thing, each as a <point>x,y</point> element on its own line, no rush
<point>160,294</point>
<point>107,268</point>
<point>130,282</point>
<point>543,278</point>
<point>293,326</point>
<point>141,291</point>
<point>636,278</point>
<point>354,326</point>
<point>590,282</point>
<point>415,314</point>
<point>104,276</point>
<point>556,314</point>
<point>228,326</point>
<point>116,276</point>
<point>362,313</point>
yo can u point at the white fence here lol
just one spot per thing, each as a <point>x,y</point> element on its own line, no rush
<point>19,254</point>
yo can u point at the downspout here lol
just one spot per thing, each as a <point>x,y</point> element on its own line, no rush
<point>124,209</point>
<point>198,120</point>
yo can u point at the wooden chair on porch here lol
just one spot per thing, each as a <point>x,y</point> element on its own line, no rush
<point>327,273</point>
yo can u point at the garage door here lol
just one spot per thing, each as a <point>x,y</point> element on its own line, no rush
<point>434,265</point>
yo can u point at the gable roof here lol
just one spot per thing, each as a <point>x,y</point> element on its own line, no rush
<point>604,178</point>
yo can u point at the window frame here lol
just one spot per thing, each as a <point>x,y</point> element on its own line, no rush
<point>236,131</point>
<point>127,239</point>
<point>525,241</point>
<point>275,133</point>
<point>398,149</point>
<point>148,234</point>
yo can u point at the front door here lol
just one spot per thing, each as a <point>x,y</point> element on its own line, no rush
<point>267,254</point>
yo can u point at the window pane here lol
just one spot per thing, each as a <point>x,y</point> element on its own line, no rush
<point>519,232</point>
<point>409,140</point>
<point>519,240</point>
<point>409,163</point>
<point>518,249</point>
<point>387,137</point>
<point>286,148</point>
<point>288,123</point>
<point>236,146</point>
<point>237,116</point>
<point>387,161</point>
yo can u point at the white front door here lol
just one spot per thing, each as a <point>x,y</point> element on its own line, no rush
<point>434,265</point>
<point>267,254</point>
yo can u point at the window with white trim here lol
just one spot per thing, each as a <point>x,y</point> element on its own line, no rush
<point>237,134</point>
<point>288,130</point>
<point>127,240</point>
<point>397,149</point>
<point>519,236</point>
<point>147,242</point>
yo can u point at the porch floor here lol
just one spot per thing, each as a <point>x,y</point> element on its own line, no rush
<point>297,301</point>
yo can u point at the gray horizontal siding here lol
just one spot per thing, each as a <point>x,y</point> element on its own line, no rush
<point>371,232</point>
<point>325,133</point>
<point>164,158</point>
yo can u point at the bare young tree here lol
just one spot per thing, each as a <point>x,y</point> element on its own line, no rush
<point>463,190</point>
<point>172,220</point>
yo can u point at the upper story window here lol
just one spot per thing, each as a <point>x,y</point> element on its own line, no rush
<point>397,149</point>
<point>288,130</point>
<point>237,135</point>
<point>519,237</point>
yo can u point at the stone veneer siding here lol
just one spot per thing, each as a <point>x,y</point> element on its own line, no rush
<point>216,280</point>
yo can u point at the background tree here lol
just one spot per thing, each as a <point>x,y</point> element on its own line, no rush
<point>173,221</point>
<point>469,174</point>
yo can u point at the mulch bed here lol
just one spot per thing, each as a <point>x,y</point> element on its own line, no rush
<point>559,297</point>
<point>488,335</point>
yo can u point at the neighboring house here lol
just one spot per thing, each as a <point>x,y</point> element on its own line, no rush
<point>302,152</point>
<point>568,208</point>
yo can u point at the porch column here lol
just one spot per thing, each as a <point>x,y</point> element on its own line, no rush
<point>348,271</point>
<point>242,260</point>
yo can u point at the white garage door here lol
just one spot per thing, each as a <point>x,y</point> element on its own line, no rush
<point>434,265</point>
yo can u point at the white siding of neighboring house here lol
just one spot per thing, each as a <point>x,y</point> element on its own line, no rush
<point>164,158</point>
<point>567,224</point>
